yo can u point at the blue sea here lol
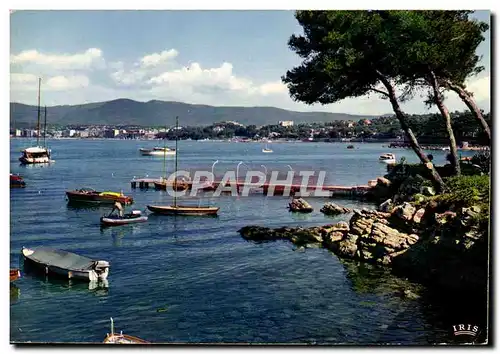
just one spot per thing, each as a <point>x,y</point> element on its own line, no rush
<point>195,279</point>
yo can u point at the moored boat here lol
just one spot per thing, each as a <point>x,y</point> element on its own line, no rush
<point>34,155</point>
<point>183,210</point>
<point>65,264</point>
<point>157,151</point>
<point>37,154</point>
<point>131,218</point>
<point>267,150</point>
<point>89,195</point>
<point>180,209</point>
<point>15,274</point>
<point>388,158</point>
<point>17,181</point>
<point>114,338</point>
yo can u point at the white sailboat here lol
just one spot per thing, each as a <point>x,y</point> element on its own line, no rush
<point>37,154</point>
<point>267,150</point>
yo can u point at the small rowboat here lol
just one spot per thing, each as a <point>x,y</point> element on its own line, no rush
<point>17,181</point>
<point>130,218</point>
<point>113,338</point>
<point>15,274</point>
<point>65,264</point>
<point>89,195</point>
<point>183,210</point>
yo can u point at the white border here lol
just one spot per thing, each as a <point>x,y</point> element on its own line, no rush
<point>178,4</point>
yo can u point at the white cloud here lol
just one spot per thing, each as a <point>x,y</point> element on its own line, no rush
<point>21,78</point>
<point>155,59</point>
<point>59,83</point>
<point>160,76</point>
<point>276,87</point>
<point>195,77</point>
<point>77,61</point>
<point>480,87</point>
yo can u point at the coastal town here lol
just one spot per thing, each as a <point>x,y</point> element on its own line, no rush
<point>381,129</point>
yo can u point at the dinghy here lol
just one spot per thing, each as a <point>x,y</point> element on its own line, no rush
<point>113,338</point>
<point>15,274</point>
<point>130,218</point>
<point>65,264</point>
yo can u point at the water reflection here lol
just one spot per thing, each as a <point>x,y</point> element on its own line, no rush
<point>372,279</point>
<point>15,293</point>
<point>61,285</point>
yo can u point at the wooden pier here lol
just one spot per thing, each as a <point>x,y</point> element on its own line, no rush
<point>265,189</point>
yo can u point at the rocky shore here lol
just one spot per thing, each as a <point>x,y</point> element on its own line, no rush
<point>424,243</point>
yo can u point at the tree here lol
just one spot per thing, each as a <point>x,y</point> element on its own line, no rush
<point>447,43</point>
<point>440,44</point>
<point>350,54</point>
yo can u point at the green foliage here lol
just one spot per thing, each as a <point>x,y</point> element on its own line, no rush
<point>466,191</point>
<point>483,160</point>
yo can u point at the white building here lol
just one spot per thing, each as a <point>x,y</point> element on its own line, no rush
<point>286,123</point>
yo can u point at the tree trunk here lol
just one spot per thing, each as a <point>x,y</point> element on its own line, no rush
<point>436,178</point>
<point>455,161</point>
<point>470,103</point>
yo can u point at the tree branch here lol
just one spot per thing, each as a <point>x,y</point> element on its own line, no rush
<point>380,91</point>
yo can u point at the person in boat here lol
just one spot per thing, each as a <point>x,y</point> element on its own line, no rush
<point>119,209</point>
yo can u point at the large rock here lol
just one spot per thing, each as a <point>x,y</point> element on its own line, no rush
<point>386,206</point>
<point>418,215</point>
<point>382,181</point>
<point>404,211</point>
<point>334,209</point>
<point>300,205</point>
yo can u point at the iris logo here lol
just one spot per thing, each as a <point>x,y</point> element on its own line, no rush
<point>465,329</point>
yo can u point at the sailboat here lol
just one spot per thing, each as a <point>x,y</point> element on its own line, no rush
<point>267,149</point>
<point>181,209</point>
<point>37,154</point>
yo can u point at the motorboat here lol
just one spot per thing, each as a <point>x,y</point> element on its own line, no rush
<point>65,264</point>
<point>157,151</point>
<point>388,158</point>
<point>267,150</point>
<point>14,274</point>
<point>130,218</point>
<point>114,338</point>
<point>350,146</point>
<point>89,195</point>
<point>17,181</point>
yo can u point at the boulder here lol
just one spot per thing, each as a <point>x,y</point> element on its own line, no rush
<point>418,215</point>
<point>386,206</point>
<point>347,247</point>
<point>334,209</point>
<point>382,181</point>
<point>404,211</point>
<point>300,205</point>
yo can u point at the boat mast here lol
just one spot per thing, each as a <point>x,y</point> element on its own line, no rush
<point>165,157</point>
<point>176,154</point>
<point>45,128</point>
<point>38,120</point>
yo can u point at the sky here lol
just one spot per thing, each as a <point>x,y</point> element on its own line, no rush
<point>221,58</point>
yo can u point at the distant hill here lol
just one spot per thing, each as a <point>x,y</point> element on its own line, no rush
<point>157,113</point>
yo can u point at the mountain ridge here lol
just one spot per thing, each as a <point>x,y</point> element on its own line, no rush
<point>124,111</point>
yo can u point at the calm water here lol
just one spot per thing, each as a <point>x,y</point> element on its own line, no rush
<point>177,279</point>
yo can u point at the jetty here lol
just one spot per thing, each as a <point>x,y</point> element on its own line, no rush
<point>268,189</point>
